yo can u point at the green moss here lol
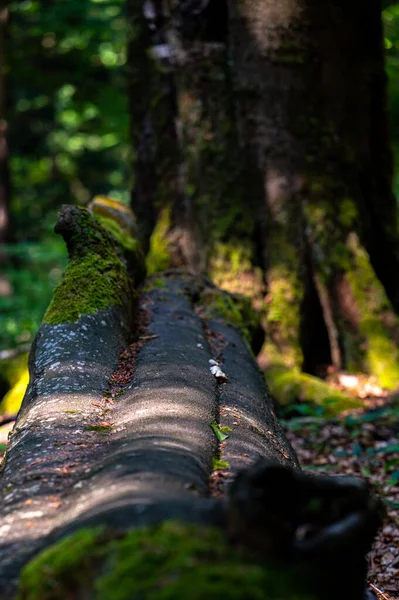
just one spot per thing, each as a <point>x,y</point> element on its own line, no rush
<point>99,428</point>
<point>170,561</point>
<point>231,269</point>
<point>95,277</point>
<point>115,211</point>
<point>234,309</point>
<point>381,351</point>
<point>348,213</point>
<point>121,235</point>
<point>283,316</point>
<point>369,343</point>
<point>225,429</point>
<point>289,385</point>
<point>88,286</point>
<point>158,258</point>
<point>63,568</point>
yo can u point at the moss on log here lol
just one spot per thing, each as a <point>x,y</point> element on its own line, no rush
<point>104,264</point>
<point>171,561</point>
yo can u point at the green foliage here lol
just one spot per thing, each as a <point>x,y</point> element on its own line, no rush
<point>33,269</point>
<point>218,464</point>
<point>69,134</point>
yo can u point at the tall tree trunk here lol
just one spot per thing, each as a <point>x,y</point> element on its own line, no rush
<point>310,94</point>
<point>186,191</point>
<point>157,188</point>
<point>284,168</point>
<point>212,173</point>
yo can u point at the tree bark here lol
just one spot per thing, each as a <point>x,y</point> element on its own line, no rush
<point>152,104</point>
<point>284,171</point>
<point>310,94</point>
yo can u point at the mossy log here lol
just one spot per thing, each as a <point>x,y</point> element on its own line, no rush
<point>94,474</point>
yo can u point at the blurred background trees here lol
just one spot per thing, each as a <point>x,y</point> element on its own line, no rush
<point>67,116</point>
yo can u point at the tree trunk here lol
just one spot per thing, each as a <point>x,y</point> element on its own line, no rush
<point>190,214</point>
<point>310,94</point>
<point>156,162</point>
<point>284,176</point>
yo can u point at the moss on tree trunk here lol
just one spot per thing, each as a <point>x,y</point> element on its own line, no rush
<point>282,171</point>
<point>309,87</point>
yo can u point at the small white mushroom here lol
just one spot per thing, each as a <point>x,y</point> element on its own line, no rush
<point>218,373</point>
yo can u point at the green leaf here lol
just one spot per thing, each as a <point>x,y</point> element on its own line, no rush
<point>219,464</point>
<point>225,429</point>
<point>219,434</point>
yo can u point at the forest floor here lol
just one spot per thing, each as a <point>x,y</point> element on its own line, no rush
<point>366,444</point>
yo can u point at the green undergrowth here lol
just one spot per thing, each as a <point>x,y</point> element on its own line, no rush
<point>95,278</point>
<point>33,270</point>
<point>170,561</point>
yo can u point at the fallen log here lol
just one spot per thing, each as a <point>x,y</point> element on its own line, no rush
<point>131,477</point>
